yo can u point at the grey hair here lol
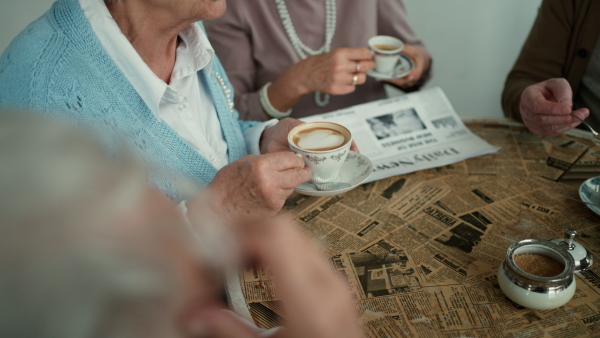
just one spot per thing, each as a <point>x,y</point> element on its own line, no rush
<point>65,270</point>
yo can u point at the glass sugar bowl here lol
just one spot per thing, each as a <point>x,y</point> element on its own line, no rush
<point>537,274</point>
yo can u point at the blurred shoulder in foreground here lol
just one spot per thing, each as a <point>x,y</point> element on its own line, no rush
<point>89,249</point>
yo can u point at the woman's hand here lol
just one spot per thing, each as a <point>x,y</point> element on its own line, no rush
<point>255,187</point>
<point>317,301</point>
<point>274,138</point>
<point>333,72</point>
<point>422,61</point>
<point>337,72</point>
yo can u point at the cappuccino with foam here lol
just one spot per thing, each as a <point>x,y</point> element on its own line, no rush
<point>323,146</point>
<point>319,139</point>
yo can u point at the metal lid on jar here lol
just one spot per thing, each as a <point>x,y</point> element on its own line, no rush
<point>583,258</point>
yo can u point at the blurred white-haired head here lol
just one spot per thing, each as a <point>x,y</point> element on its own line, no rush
<point>87,248</point>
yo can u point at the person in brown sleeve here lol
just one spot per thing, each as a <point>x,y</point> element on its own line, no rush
<point>301,57</point>
<point>558,69</point>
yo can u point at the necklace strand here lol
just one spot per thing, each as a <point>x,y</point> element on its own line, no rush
<point>226,91</point>
<point>300,47</point>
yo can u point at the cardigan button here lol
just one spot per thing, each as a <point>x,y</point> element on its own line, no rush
<point>583,53</point>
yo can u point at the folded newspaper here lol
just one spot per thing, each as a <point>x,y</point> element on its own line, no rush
<point>408,133</point>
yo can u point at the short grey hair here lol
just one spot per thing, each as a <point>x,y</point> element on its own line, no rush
<point>65,271</point>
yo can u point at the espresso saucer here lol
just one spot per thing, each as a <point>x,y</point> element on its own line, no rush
<point>589,192</point>
<point>355,170</point>
<point>404,66</point>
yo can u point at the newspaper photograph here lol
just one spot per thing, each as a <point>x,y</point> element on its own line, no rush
<point>408,133</point>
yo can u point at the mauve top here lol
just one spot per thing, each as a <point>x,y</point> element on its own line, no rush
<point>254,48</point>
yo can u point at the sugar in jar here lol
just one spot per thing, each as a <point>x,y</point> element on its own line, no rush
<point>537,274</point>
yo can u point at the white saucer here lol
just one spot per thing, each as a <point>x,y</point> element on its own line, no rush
<point>355,170</point>
<point>403,67</point>
<point>588,195</point>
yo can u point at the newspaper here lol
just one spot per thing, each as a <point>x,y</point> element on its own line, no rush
<point>408,133</point>
<point>421,251</point>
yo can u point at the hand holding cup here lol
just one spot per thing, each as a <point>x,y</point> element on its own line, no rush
<point>386,51</point>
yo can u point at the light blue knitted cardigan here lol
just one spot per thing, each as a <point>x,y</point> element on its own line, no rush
<point>58,66</point>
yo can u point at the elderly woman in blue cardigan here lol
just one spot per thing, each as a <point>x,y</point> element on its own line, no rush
<point>145,69</point>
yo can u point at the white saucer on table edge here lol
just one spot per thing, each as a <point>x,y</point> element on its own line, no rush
<point>355,170</point>
<point>404,66</point>
<point>586,192</point>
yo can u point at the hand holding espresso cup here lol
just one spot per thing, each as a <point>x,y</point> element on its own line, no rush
<point>422,63</point>
<point>324,147</point>
<point>386,51</point>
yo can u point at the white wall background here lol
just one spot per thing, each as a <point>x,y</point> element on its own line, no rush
<point>473,43</point>
<point>16,15</point>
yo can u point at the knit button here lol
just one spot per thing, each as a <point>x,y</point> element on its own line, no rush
<point>583,53</point>
<point>213,158</point>
<point>182,106</point>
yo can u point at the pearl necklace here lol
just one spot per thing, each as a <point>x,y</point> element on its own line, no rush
<point>226,91</point>
<point>300,47</point>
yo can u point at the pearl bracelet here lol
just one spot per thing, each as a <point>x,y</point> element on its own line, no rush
<point>268,107</point>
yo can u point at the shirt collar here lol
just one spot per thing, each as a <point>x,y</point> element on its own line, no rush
<point>193,54</point>
<point>195,50</point>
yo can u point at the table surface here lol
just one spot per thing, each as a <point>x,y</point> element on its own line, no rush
<point>421,250</point>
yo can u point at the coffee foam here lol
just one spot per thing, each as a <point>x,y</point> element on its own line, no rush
<point>319,139</point>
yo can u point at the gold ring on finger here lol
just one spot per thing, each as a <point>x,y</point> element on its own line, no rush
<point>355,79</point>
<point>357,67</point>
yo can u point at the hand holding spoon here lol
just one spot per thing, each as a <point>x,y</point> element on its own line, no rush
<point>595,133</point>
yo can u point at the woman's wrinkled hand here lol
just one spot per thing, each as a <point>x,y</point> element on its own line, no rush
<point>255,187</point>
<point>316,300</point>
<point>334,72</point>
<point>275,138</point>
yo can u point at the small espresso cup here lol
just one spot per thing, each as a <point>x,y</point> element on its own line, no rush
<point>386,51</point>
<point>323,146</point>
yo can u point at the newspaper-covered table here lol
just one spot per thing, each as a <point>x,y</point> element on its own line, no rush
<point>421,250</point>
<point>408,133</point>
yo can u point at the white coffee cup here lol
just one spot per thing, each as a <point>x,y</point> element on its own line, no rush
<point>386,51</point>
<point>323,146</point>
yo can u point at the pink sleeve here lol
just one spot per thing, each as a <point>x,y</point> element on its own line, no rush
<point>392,20</point>
<point>230,30</point>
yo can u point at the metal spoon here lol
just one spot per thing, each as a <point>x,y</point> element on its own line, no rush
<point>595,133</point>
